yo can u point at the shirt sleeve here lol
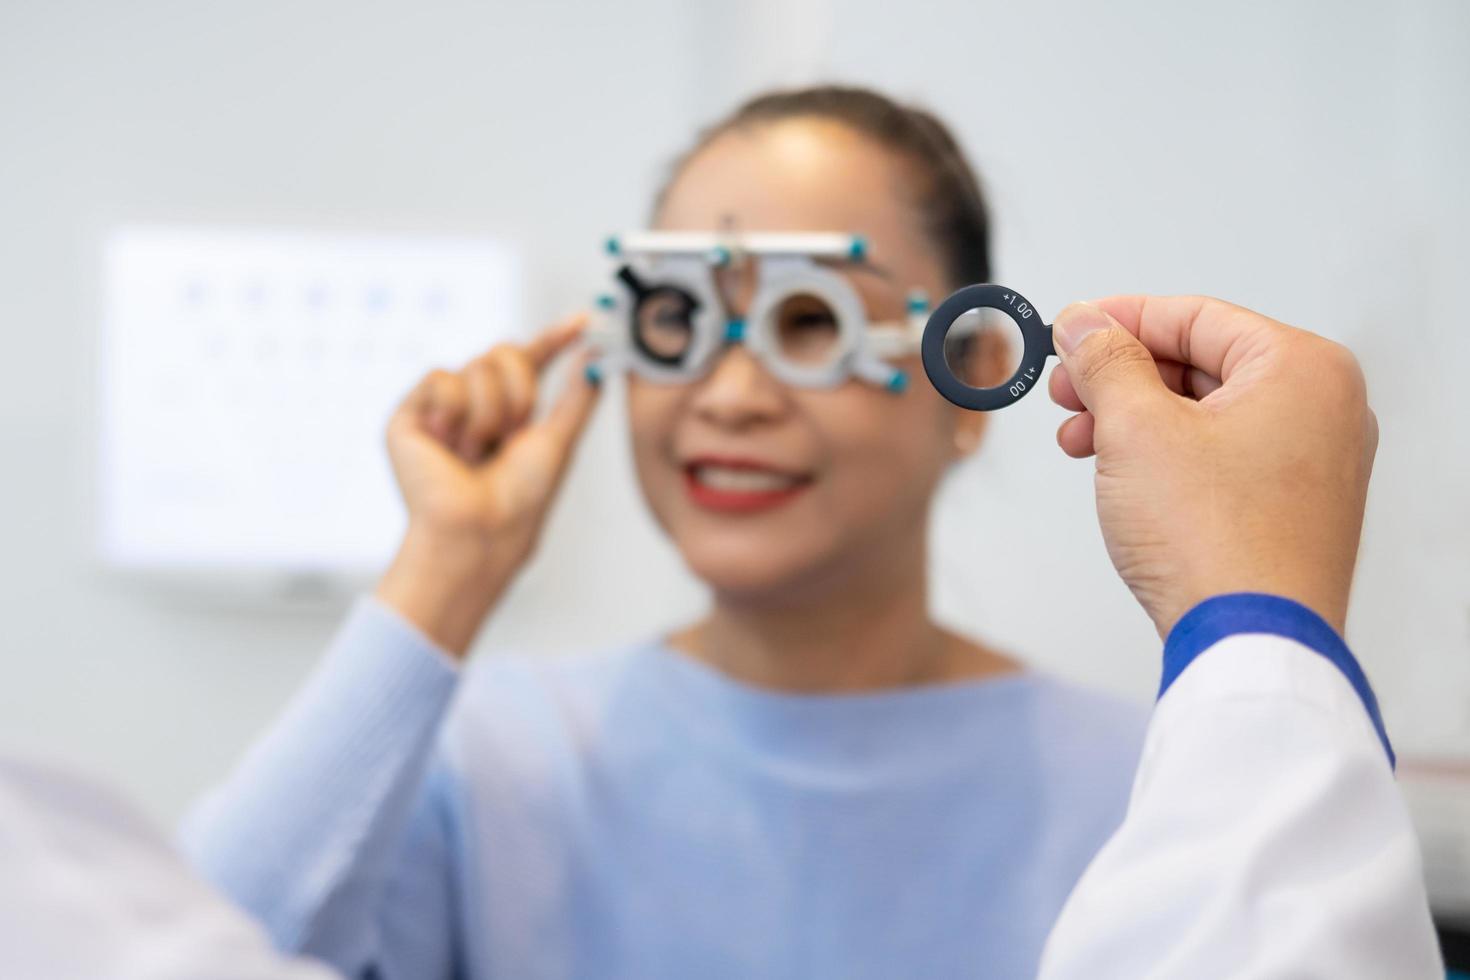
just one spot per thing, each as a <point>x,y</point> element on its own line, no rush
<point>307,832</point>
<point>1265,836</point>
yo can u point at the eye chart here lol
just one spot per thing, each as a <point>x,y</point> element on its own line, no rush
<point>246,377</point>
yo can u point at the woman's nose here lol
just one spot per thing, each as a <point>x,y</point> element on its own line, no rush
<point>736,284</point>
<point>739,392</point>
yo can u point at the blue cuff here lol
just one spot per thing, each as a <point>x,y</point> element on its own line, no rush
<point>1251,612</point>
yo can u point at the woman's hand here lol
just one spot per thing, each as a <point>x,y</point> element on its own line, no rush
<point>478,477</point>
<point>1233,451</point>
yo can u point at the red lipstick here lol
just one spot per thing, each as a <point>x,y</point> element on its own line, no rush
<point>740,486</point>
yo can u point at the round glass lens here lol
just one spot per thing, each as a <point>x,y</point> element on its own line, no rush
<point>983,348</point>
<point>806,329</point>
<point>663,323</point>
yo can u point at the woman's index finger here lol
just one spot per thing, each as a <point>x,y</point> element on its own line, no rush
<point>555,339</point>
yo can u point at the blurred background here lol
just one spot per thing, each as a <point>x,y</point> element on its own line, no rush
<point>232,233</point>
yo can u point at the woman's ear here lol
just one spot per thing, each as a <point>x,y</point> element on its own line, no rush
<point>996,356</point>
<point>969,431</point>
<point>982,360</point>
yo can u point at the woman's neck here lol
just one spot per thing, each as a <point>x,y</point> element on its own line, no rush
<point>852,629</point>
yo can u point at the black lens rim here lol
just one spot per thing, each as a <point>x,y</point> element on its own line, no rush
<point>643,293</point>
<point>1036,339</point>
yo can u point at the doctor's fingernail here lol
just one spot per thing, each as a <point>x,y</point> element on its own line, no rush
<point>1074,323</point>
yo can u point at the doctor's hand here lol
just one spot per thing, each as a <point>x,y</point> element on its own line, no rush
<point>478,475</point>
<point>1233,451</point>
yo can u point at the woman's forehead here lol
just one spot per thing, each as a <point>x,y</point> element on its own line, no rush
<point>800,175</point>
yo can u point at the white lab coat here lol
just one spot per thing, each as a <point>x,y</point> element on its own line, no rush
<point>1265,839</point>
<point>89,891</point>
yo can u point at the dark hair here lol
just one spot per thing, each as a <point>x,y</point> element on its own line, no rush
<point>949,201</point>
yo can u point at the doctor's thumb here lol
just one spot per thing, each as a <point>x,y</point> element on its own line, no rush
<point>1109,368</point>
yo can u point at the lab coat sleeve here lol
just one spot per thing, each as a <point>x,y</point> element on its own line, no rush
<point>88,888</point>
<point>307,833</point>
<point>1265,836</point>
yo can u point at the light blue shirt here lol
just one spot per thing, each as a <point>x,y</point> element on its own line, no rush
<point>635,814</point>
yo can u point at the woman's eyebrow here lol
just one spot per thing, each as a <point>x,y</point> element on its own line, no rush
<point>865,265</point>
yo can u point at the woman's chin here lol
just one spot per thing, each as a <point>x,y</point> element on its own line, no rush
<point>749,571</point>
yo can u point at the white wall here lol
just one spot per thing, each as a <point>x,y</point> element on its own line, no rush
<point>1305,159</point>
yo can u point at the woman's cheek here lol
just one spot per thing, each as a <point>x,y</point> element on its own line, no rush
<point>650,431</point>
<point>893,454</point>
<point>869,456</point>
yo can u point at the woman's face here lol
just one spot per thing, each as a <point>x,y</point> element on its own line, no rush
<point>770,490</point>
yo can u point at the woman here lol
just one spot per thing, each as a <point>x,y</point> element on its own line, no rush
<point>813,780</point>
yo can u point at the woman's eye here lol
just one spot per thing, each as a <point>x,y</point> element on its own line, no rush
<point>807,330</point>
<point>807,321</point>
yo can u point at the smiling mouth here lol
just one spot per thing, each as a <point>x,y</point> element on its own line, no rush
<point>739,486</point>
